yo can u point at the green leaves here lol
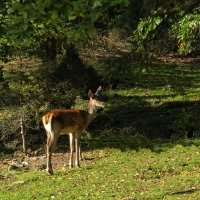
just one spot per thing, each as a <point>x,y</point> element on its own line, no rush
<point>186,31</point>
<point>97,4</point>
<point>29,24</point>
<point>146,30</point>
<point>118,2</point>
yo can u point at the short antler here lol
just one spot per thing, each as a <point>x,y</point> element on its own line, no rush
<point>97,93</point>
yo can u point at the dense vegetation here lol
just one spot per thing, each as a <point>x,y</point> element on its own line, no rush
<point>144,53</point>
<point>52,53</point>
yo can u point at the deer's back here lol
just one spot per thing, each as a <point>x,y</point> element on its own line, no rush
<point>66,121</point>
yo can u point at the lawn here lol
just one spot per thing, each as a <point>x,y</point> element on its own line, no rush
<point>145,145</point>
<point>169,171</point>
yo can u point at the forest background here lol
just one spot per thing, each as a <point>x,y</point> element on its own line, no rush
<point>145,144</point>
<point>144,53</point>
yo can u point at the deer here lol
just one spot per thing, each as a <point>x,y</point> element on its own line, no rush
<point>71,122</point>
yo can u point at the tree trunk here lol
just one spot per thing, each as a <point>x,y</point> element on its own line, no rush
<point>23,133</point>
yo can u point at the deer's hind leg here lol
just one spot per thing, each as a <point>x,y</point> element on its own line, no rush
<point>51,142</point>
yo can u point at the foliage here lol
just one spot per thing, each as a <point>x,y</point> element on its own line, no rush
<point>146,31</point>
<point>186,32</point>
<point>80,103</point>
<point>57,33</point>
<point>165,21</point>
<point>117,72</point>
<point>25,96</point>
<point>10,125</point>
<point>45,28</point>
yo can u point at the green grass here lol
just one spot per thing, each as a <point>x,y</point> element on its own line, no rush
<point>164,103</point>
<point>126,156</point>
<point>169,171</point>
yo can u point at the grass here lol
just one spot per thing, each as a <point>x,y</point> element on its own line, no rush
<point>127,157</point>
<point>169,171</point>
<point>164,102</point>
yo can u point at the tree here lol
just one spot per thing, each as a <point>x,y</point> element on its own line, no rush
<point>172,22</point>
<point>46,27</point>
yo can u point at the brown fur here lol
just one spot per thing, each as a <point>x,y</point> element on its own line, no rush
<point>75,118</point>
<point>72,122</point>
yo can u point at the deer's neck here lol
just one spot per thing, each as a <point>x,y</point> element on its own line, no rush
<point>91,113</point>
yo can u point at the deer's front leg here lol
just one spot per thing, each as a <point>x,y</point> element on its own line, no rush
<point>80,153</point>
<point>71,144</point>
<point>77,146</point>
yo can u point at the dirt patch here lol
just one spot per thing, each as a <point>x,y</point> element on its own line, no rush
<point>172,59</point>
<point>38,163</point>
<point>34,163</point>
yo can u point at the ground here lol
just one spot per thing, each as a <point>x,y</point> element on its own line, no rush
<point>121,161</point>
<point>168,171</point>
<point>38,162</point>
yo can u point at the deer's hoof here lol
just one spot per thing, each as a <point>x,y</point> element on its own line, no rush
<point>77,165</point>
<point>50,171</point>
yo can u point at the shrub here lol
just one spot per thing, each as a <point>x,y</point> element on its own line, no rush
<point>186,33</point>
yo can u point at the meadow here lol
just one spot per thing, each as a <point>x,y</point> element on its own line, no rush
<point>110,173</point>
<point>144,145</point>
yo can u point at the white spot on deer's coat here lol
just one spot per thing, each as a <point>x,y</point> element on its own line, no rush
<point>48,127</point>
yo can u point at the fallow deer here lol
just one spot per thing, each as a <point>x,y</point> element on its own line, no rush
<point>72,122</point>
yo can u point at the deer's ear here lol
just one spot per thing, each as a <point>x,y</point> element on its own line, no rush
<point>97,93</point>
<point>90,94</point>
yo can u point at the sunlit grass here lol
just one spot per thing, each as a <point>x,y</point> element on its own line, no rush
<point>160,95</point>
<point>126,156</point>
<point>165,83</point>
<point>170,171</point>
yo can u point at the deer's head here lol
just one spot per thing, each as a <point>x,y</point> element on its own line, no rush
<point>95,102</point>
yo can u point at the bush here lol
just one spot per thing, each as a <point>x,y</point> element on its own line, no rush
<point>186,33</point>
<point>145,32</point>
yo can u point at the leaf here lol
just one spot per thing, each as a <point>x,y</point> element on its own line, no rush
<point>97,4</point>
<point>25,15</point>
<point>120,2</point>
<point>94,16</point>
<point>72,17</point>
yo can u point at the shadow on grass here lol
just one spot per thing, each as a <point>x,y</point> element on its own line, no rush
<point>125,71</point>
<point>131,123</point>
<point>190,191</point>
<point>177,77</point>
